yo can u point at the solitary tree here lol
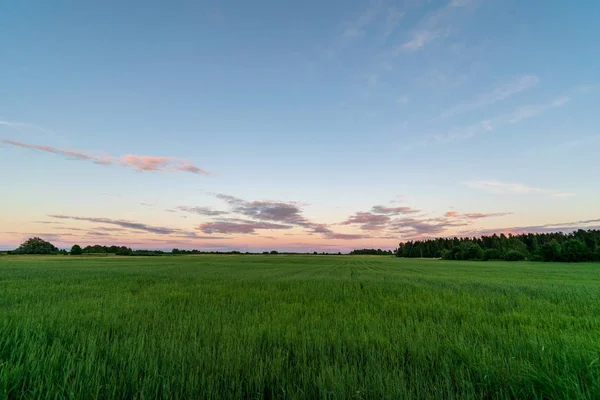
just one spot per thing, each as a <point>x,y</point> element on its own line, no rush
<point>76,250</point>
<point>36,245</point>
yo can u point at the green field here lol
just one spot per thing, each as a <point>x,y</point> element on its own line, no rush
<point>299,327</point>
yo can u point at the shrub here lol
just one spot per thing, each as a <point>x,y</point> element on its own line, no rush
<point>536,257</point>
<point>36,246</point>
<point>492,254</point>
<point>514,255</point>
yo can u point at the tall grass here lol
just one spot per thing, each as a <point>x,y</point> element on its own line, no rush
<point>297,327</point>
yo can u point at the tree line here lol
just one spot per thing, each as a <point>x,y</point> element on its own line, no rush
<point>577,246</point>
<point>37,245</point>
<point>371,252</point>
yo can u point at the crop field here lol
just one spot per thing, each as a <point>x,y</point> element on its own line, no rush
<point>297,327</point>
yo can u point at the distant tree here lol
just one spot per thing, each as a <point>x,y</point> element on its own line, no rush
<point>123,251</point>
<point>96,249</point>
<point>514,243</point>
<point>76,250</point>
<point>492,254</point>
<point>446,254</point>
<point>574,250</point>
<point>514,255</point>
<point>534,246</point>
<point>274,252</point>
<point>456,253</point>
<point>315,253</point>
<point>36,245</point>
<point>551,251</point>
<point>473,252</point>
<point>373,252</point>
<point>175,251</point>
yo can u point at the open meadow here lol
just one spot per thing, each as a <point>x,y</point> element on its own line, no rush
<point>297,327</point>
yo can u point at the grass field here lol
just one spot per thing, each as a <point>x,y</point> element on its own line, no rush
<point>336,327</point>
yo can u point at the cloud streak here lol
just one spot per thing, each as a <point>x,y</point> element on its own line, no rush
<point>515,86</point>
<point>497,187</point>
<point>137,163</point>
<point>241,227</point>
<point>437,24</point>
<point>472,216</point>
<point>531,111</point>
<point>419,40</point>
<point>136,226</point>
<point>546,228</point>
<point>394,210</point>
<point>205,211</point>
<point>393,18</point>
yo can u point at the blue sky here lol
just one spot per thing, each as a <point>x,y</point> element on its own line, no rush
<point>139,122</point>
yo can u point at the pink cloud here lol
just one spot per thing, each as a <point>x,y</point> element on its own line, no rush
<point>138,163</point>
<point>454,214</point>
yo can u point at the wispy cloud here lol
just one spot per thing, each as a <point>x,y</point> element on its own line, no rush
<point>393,18</point>
<point>368,221</point>
<point>66,153</point>
<point>419,40</point>
<point>326,232</point>
<point>497,187</point>
<point>515,86</point>
<point>394,210</point>
<point>137,163</point>
<point>460,133</point>
<point>242,227</point>
<point>526,112</point>
<point>136,226</point>
<point>414,228</point>
<point>530,111</point>
<point>355,29</point>
<point>439,23</point>
<point>22,125</point>
<point>206,211</point>
<point>546,228</point>
<point>520,114</point>
<point>454,214</point>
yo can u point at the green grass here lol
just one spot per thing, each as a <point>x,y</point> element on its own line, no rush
<point>297,327</point>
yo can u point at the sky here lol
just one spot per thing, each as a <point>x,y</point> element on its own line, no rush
<point>296,126</point>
